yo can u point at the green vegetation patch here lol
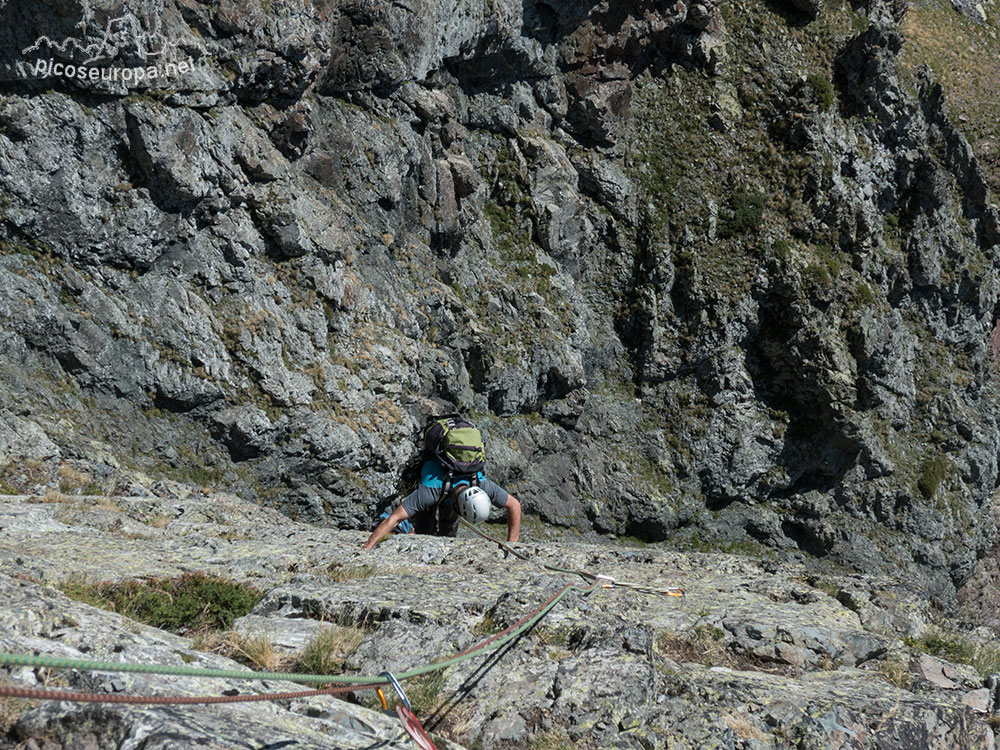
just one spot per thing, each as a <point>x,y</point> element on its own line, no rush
<point>932,473</point>
<point>938,644</point>
<point>985,659</point>
<point>746,213</point>
<point>425,691</point>
<point>190,602</point>
<point>487,626</point>
<point>822,86</point>
<point>749,167</point>
<point>553,739</point>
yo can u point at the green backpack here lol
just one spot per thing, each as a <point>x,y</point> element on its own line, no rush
<point>456,443</point>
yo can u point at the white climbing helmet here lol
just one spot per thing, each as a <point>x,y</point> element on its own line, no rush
<point>473,504</point>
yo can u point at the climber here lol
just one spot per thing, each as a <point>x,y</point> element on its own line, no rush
<point>471,501</point>
<point>451,483</point>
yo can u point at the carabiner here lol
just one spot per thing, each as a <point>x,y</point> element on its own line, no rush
<point>398,688</point>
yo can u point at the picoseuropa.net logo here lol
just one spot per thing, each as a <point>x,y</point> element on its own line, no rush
<point>152,56</point>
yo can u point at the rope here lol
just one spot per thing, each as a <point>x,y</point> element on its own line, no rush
<point>353,682</point>
<point>166,700</point>
<point>522,556</point>
<point>348,683</point>
<point>404,710</point>
<point>522,623</point>
<point>503,637</point>
<point>606,581</point>
<point>90,665</point>
<point>412,726</point>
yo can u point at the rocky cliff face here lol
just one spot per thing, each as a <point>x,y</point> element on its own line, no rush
<point>758,655</point>
<point>714,274</point>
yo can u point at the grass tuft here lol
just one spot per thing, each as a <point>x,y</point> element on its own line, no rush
<point>823,88</point>
<point>11,710</point>
<point>554,739</point>
<point>932,473</point>
<point>744,728</point>
<point>705,644</point>
<point>257,650</point>
<point>985,659</point>
<point>424,692</point>
<point>746,214</point>
<point>896,672</point>
<point>326,652</point>
<point>340,572</point>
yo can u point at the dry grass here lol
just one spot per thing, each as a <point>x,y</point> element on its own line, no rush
<point>159,521</point>
<point>896,672</point>
<point>323,655</point>
<point>207,640</point>
<point>704,645</point>
<point>340,572</point>
<point>72,479</point>
<point>53,495</point>
<point>964,57</point>
<point>326,652</point>
<point>106,503</point>
<point>11,709</point>
<point>257,650</point>
<point>744,729</point>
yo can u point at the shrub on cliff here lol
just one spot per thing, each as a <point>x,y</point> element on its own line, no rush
<point>746,213</point>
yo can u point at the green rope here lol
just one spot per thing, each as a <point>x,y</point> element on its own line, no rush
<point>94,665</point>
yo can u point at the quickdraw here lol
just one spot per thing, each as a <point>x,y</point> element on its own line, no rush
<point>349,683</point>
<point>607,582</point>
<point>413,728</point>
<point>405,713</point>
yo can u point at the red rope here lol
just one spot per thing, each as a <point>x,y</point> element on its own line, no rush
<point>169,700</point>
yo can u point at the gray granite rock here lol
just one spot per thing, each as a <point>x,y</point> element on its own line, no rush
<point>755,650</point>
<point>263,275</point>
